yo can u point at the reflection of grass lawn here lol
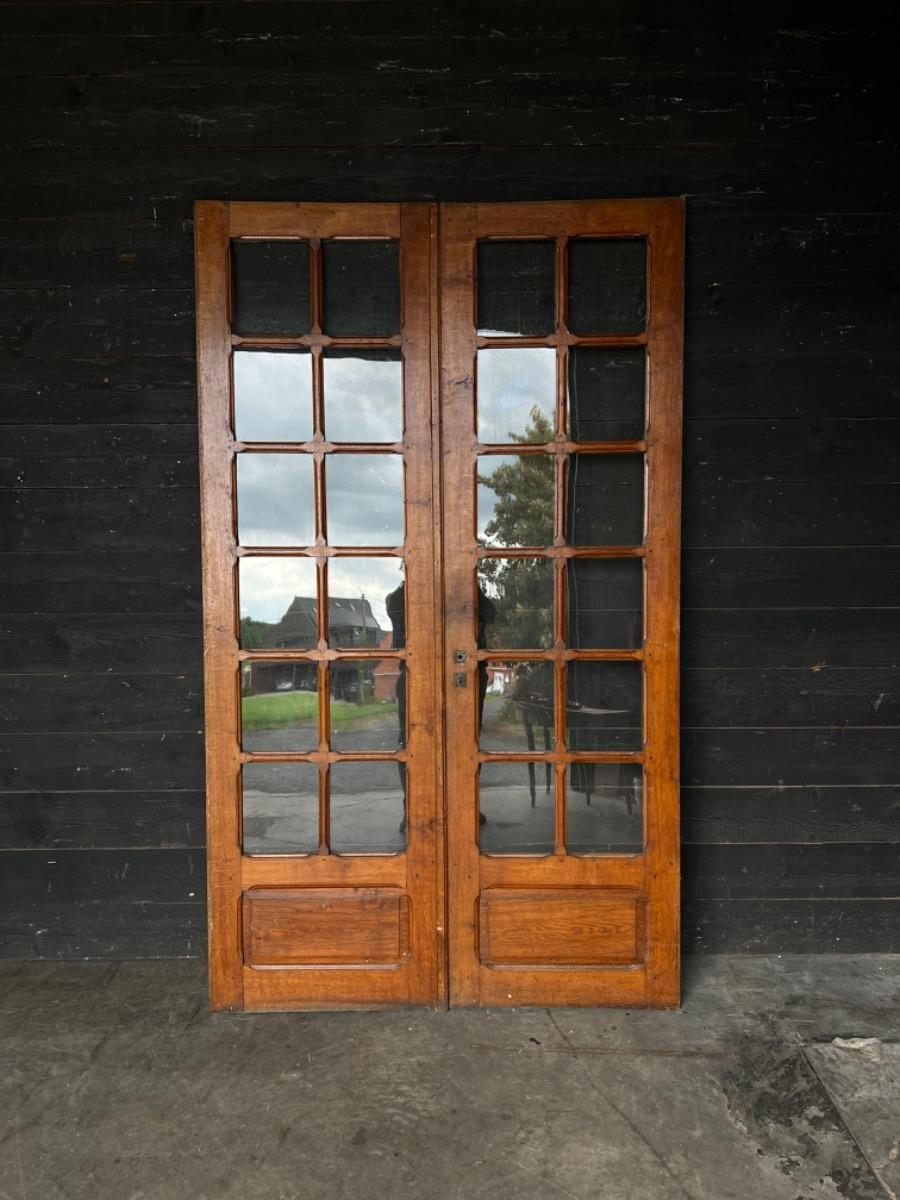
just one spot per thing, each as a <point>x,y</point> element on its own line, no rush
<point>293,708</point>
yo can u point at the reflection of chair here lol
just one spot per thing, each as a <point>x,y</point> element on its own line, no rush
<point>582,776</point>
<point>535,711</point>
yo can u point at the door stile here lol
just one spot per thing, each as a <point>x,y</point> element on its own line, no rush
<point>219,654</point>
<point>662,603</point>
<point>458,442</point>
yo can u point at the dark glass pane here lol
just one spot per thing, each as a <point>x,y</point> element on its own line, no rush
<point>363,395</point>
<point>365,499</point>
<point>366,603</point>
<point>607,285</point>
<point>517,806</point>
<point>270,288</point>
<point>361,288</point>
<point>278,603</point>
<point>275,500</point>
<point>515,603</point>
<point>516,706</point>
<point>604,706</point>
<point>516,288</point>
<point>517,394</point>
<point>606,500</point>
<point>368,704</point>
<point>606,603</point>
<point>606,394</point>
<point>368,807</point>
<point>280,808</point>
<point>604,808</point>
<point>515,499</point>
<point>272,396</point>
<point>279,706</point>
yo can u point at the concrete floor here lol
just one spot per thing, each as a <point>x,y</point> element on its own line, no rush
<point>116,1084</point>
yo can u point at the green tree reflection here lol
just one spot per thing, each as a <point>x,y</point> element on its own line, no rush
<point>521,589</point>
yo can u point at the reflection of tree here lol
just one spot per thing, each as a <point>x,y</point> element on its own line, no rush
<point>523,512</point>
<point>522,589</point>
<point>255,633</point>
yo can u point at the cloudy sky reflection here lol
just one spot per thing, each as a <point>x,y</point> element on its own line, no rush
<point>512,382</point>
<point>272,396</point>
<point>363,396</point>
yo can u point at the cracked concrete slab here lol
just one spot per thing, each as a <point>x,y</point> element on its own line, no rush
<point>116,1084</point>
<point>863,1077</point>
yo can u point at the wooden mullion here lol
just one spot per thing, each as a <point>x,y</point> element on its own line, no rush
<point>315,285</point>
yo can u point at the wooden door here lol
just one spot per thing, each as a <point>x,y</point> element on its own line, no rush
<point>323,714</point>
<point>389,608</point>
<point>561,360</point>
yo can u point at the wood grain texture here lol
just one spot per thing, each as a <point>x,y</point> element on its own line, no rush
<point>558,927</point>
<point>293,926</point>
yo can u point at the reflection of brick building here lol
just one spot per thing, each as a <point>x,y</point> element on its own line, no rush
<point>351,623</point>
<point>387,673</point>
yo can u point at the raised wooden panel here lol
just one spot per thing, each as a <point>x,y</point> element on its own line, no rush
<point>293,926</point>
<point>559,926</point>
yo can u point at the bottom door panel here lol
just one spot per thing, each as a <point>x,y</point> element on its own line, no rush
<point>563,927</point>
<point>325,926</point>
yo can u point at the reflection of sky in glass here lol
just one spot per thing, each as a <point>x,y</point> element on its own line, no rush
<point>511,382</point>
<point>374,578</point>
<point>275,499</point>
<point>363,396</point>
<point>268,585</point>
<point>365,499</point>
<point>272,396</point>
<point>487,497</point>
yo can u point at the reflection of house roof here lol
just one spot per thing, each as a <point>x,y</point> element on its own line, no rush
<point>298,625</point>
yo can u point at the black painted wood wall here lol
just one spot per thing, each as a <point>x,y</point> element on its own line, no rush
<point>117,116</point>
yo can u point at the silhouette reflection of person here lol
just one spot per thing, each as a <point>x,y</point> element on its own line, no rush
<point>395,603</point>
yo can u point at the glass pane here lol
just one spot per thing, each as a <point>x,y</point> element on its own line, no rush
<point>515,603</point>
<point>607,285</point>
<point>517,808</point>
<point>604,706</point>
<point>368,704</point>
<point>606,394</point>
<point>280,808</point>
<point>515,499</point>
<point>368,807</point>
<point>275,500</point>
<point>270,288</point>
<point>279,706</point>
<point>516,288</point>
<point>366,603</point>
<point>278,603</point>
<point>365,499</point>
<point>517,394</point>
<point>361,288</point>
<point>516,706</point>
<point>363,395</point>
<point>272,396</point>
<point>606,603</point>
<point>606,499</point>
<point>605,808</point>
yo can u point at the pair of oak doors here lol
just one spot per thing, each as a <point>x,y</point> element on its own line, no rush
<point>440,456</point>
